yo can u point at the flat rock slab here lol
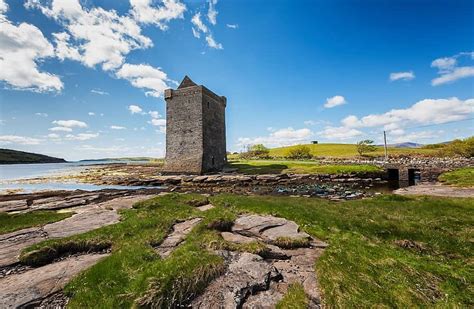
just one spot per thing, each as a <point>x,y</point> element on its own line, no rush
<point>246,274</point>
<point>267,228</point>
<point>205,207</point>
<point>180,230</point>
<point>237,238</point>
<point>38,283</point>
<point>87,218</point>
<point>436,190</point>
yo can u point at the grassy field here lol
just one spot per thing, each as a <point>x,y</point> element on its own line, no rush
<point>390,251</point>
<point>463,177</point>
<point>348,150</point>
<point>13,222</point>
<point>297,167</point>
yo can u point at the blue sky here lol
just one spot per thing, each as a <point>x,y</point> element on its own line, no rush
<point>85,79</point>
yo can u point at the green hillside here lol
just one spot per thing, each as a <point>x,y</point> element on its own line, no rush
<point>348,150</point>
<point>9,156</point>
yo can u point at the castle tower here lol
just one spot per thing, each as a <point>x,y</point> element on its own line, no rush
<point>195,129</point>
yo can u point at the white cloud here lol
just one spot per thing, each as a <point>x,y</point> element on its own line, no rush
<point>196,20</point>
<point>144,12</point>
<point>232,26</point>
<point>54,136</point>
<point>41,114</point>
<point>309,123</point>
<point>154,114</point>
<point>212,43</point>
<point>114,127</point>
<point>93,36</point>
<point>81,136</point>
<point>340,133</point>
<point>60,129</point>
<point>146,77</point>
<point>449,69</point>
<point>91,113</point>
<point>281,137</point>
<point>212,12</point>
<point>135,109</point>
<point>201,27</point>
<point>22,47</point>
<point>335,101</point>
<point>21,140</point>
<point>414,136</point>
<point>70,123</point>
<point>402,76</point>
<point>158,122</point>
<point>428,111</point>
<point>457,73</point>
<point>99,92</point>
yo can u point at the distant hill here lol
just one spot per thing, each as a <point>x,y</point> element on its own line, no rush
<point>9,156</point>
<point>406,145</point>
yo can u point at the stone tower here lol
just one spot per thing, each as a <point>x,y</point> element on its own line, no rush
<point>195,129</point>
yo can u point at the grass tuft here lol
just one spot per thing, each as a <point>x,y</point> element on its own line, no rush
<point>292,243</point>
<point>47,254</point>
<point>14,222</point>
<point>295,298</point>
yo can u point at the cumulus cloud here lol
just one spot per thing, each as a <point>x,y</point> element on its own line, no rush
<point>20,140</point>
<point>340,133</point>
<point>449,70</point>
<point>428,111</point>
<point>93,36</point>
<point>81,136</point>
<point>281,137</point>
<point>158,122</point>
<point>154,114</point>
<point>60,129</point>
<point>22,48</point>
<point>144,12</point>
<point>70,123</point>
<point>135,109</point>
<point>114,127</point>
<point>146,77</point>
<point>212,43</point>
<point>402,76</point>
<point>91,113</point>
<point>232,26</point>
<point>335,101</point>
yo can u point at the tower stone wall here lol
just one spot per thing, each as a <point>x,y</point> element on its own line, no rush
<point>195,129</point>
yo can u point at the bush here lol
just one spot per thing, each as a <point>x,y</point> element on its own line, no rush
<point>258,151</point>
<point>299,152</point>
<point>365,146</point>
<point>462,148</point>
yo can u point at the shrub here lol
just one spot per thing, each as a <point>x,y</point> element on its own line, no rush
<point>365,146</point>
<point>462,148</point>
<point>258,151</point>
<point>299,152</point>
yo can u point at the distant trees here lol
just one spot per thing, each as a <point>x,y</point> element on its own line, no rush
<point>365,146</point>
<point>299,152</point>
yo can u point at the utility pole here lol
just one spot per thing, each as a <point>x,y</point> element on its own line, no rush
<point>385,145</point>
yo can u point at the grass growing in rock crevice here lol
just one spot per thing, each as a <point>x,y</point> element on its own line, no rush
<point>295,298</point>
<point>13,222</point>
<point>367,263</point>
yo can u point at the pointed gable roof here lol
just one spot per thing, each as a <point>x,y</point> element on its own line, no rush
<point>187,82</point>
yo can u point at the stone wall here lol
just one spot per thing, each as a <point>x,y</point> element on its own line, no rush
<point>184,133</point>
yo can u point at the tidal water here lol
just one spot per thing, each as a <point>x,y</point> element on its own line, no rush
<point>14,177</point>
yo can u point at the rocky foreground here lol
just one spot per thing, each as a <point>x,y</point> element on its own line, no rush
<point>249,280</point>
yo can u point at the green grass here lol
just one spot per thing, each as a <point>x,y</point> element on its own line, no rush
<point>13,222</point>
<point>463,177</point>
<point>296,167</point>
<point>295,298</point>
<point>364,265</point>
<point>348,150</point>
